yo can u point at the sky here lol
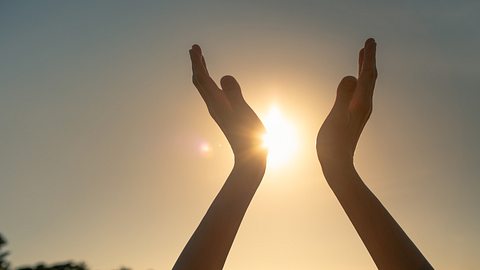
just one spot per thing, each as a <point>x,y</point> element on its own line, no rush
<point>101,130</point>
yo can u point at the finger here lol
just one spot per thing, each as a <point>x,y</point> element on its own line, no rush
<point>202,64</point>
<point>369,63</point>
<point>360,61</point>
<point>200,70</point>
<point>232,90</point>
<point>345,91</point>
<point>198,49</point>
<point>205,64</point>
<point>368,73</point>
<point>195,71</point>
<point>197,59</point>
<point>205,84</point>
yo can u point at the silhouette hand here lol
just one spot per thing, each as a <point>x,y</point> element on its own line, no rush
<point>236,119</point>
<point>339,134</point>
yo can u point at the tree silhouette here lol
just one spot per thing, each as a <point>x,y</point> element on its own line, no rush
<point>4,264</point>
<point>57,266</point>
<point>68,265</point>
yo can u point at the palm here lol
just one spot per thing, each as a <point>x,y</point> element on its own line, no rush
<point>241,126</point>
<point>339,134</point>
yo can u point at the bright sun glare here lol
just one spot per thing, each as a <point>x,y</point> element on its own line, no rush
<point>280,138</point>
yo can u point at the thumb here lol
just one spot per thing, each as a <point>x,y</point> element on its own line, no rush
<point>232,90</point>
<point>345,90</point>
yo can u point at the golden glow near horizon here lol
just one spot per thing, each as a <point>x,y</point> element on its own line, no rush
<point>280,138</point>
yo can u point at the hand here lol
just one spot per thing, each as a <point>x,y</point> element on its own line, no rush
<point>339,134</point>
<point>210,243</point>
<point>236,119</point>
<point>389,246</point>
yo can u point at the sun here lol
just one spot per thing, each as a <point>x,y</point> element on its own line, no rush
<point>280,138</point>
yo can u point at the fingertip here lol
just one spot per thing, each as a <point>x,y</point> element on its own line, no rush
<point>228,82</point>
<point>349,79</point>
<point>369,52</point>
<point>196,58</point>
<point>369,41</point>
<point>227,78</point>
<point>346,87</point>
<point>196,47</point>
<point>196,52</point>
<point>348,82</point>
<point>232,90</point>
<point>370,44</point>
<point>345,91</point>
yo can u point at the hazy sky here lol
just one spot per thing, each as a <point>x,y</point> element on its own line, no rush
<point>100,128</point>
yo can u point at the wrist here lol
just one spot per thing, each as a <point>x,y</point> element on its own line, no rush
<point>336,164</point>
<point>344,161</point>
<point>340,174</point>
<point>249,174</point>
<point>251,157</point>
<point>253,162</point>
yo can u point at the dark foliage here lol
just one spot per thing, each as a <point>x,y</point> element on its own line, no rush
<point>5,264</point>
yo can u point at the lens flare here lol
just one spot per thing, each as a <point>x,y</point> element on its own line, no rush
<point>280,138</point>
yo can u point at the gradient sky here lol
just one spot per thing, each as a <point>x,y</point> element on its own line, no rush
<point>100,128</point>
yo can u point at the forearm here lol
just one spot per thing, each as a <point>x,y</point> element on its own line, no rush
<point>385,240</point>
<point>209,245</point>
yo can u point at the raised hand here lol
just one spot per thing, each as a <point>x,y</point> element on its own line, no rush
<point>384,239</point>
<point>236,119</point>
<point>210,243</point>
<point>339,134</point>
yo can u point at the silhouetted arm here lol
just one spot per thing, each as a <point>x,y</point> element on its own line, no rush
<point>385,240</point>
<point>210,243</point>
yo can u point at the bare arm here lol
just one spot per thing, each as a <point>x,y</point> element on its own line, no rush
<point>385,240</point>
<point>210,243</point>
